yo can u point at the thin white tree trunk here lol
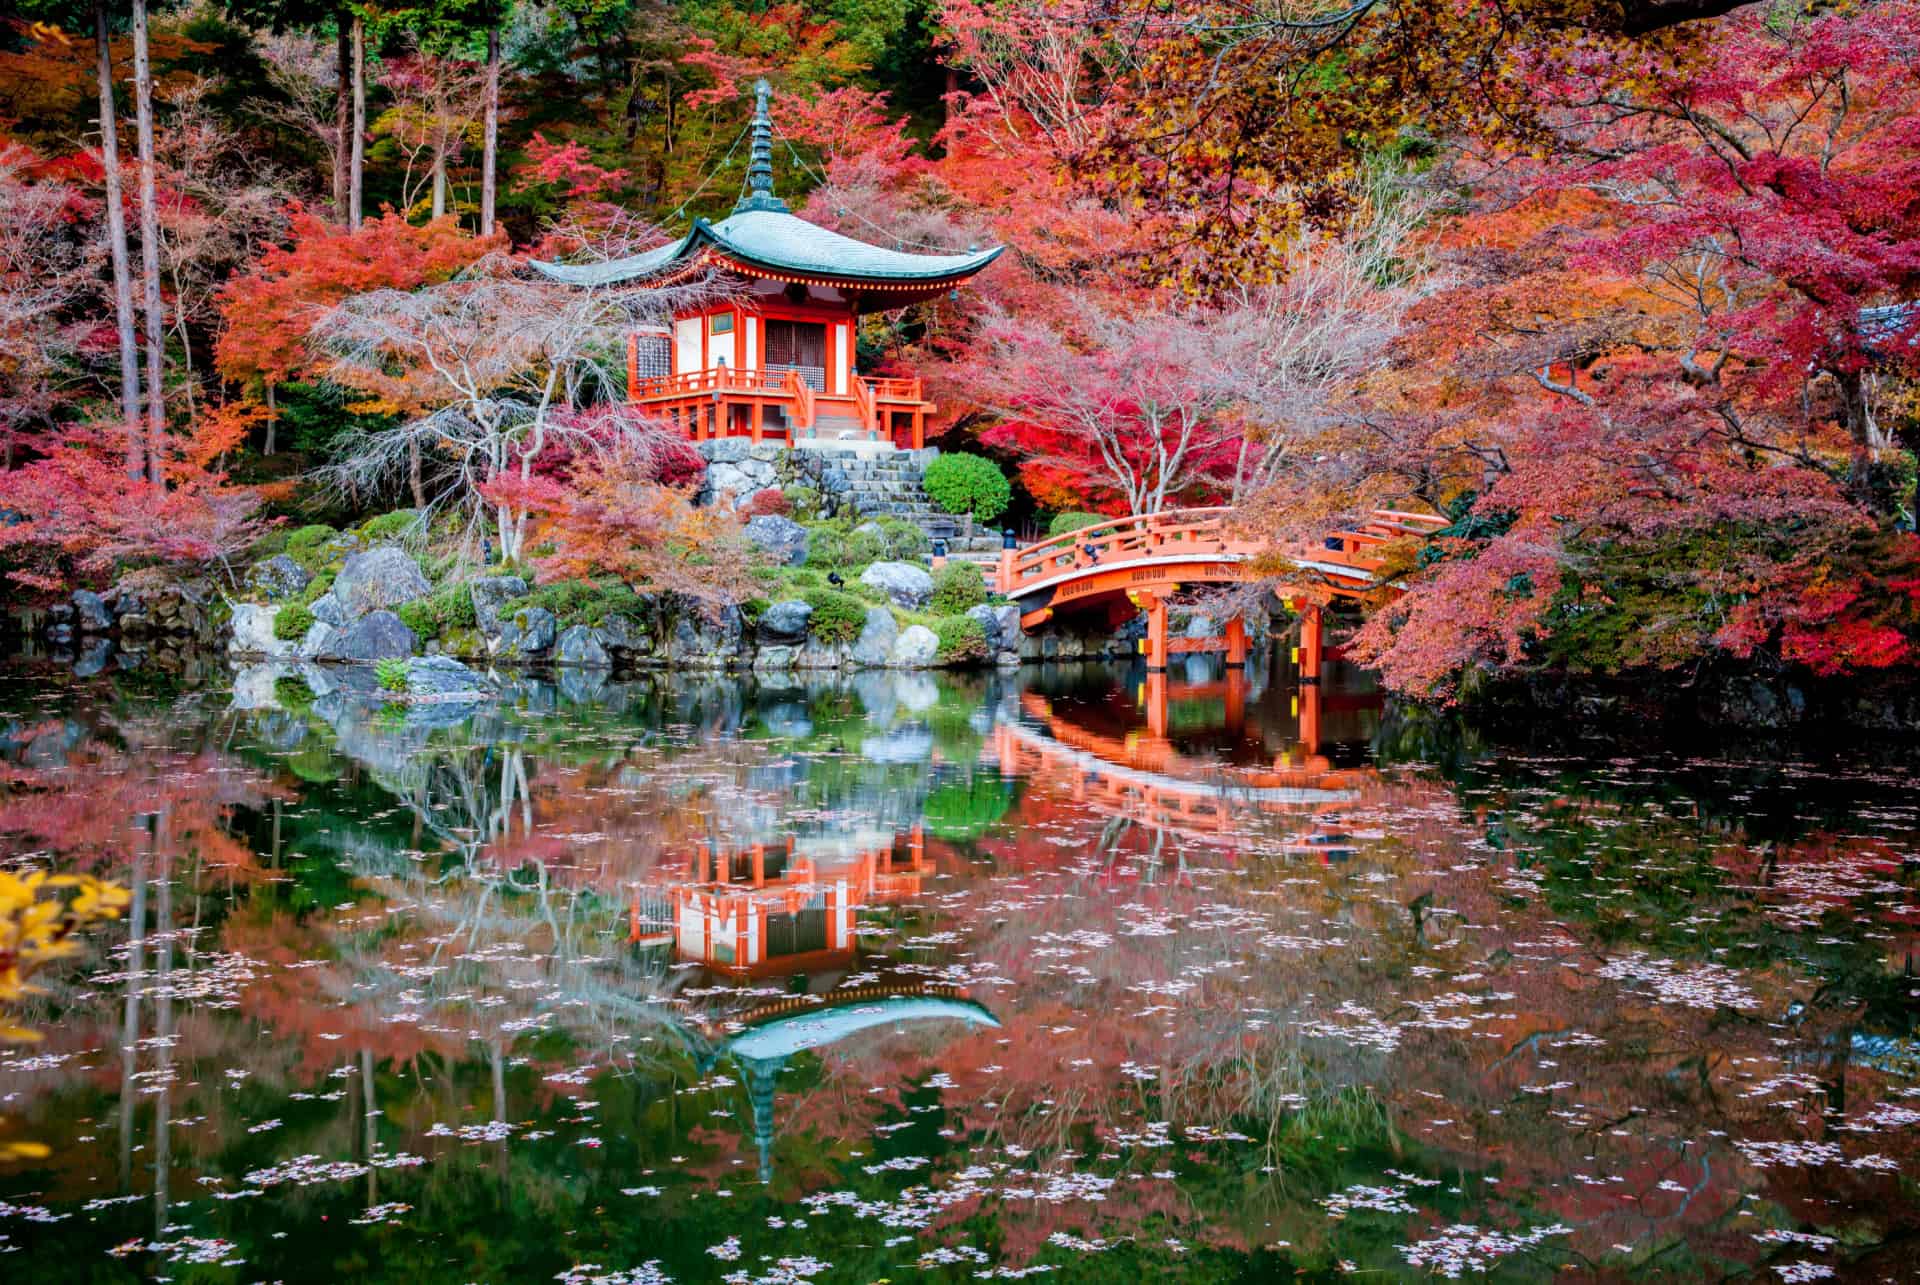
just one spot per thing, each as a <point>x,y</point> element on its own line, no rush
<point>150,247</point>
<point>117,245</point>
<point>342,114</point>
<point>357,177</point>
<point>490,135</point>
<point>439,182</point>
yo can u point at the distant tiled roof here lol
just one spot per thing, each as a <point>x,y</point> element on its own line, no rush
<point>780,242</point>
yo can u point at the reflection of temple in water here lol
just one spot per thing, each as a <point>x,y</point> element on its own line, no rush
<point>766,909</point>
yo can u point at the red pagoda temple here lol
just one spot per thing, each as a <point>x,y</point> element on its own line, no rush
<point>773,359</point>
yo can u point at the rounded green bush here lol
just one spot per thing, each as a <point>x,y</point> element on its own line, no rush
<point>905,541</point>
<point>1073,520</point>
<point>390,526</point>
<point>961,640</point>
<point>419,616</point>
<point>957,587</point>
<point>291,622</point>
<point>962,483</point>
<point>304,545</point>
<point>837,544</point>
<point>837,617</point>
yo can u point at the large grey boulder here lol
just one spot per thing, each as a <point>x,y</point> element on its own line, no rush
<point>443,676</point>
<point>625,636</point>
<point>782,537</point>
<point>382,577</point>
<point>989,618</point>
<point>909,586</point>
<point>786,622</point>
<point>877,636</point>
<point>253,633</point>
<point>279,578</point>
<point>378,635</point>
<point>704,639</point>
<point>317,634</point>
<point>583,647</point>
<point>327,610</point>
<point>489,596</point>
<point>90,613</point>
<point>915,648</point>
<point>529,634</point>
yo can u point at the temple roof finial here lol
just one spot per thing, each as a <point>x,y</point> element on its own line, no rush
<point>760,165</point>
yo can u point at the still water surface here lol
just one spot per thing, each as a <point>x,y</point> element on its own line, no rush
<point>1054,975</point>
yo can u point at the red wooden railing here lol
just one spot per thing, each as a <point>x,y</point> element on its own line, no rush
<point>863,409</point>
<point>1198,533</point>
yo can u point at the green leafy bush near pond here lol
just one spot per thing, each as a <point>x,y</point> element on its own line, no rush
<point>961,640</point>
<point>291,622</point>
<point>391,674</point>
<point>435,615</point>
<point>584,602</point>
<point>837,617</point>
<point>957,587</point>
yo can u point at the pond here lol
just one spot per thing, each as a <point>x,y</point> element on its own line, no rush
<point>1064,973</point>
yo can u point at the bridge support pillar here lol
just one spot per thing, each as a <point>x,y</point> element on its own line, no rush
<point>1156,698</point>
<point>1311,638</point>
<point>1156,641</point>
<point>1237,643</point>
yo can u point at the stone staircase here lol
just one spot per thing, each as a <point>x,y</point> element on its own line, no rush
<point>888,484</point>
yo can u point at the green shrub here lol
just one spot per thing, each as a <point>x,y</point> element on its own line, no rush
<point>418,616</point>
<point>905,541</point>
<point>837,617</point>
<point>391,673</point>
<point>1073,520</point>
<point>961,640</point>
<point>291,622</point>
<point>962,483</point>
<point>305,545</point>
<point>439,613</point>
<point>957,587</point>
<point>836,544</point>
<point>390,526</point>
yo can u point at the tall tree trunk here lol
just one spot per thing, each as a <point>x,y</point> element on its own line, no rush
<point>150,247</point>
<point>439,182</point>
<point>490,136</point>
<point>117,244</point>
<point>413,473</point>
<point>342,113</point>
<point>273,422</point>
<point>357,178</point>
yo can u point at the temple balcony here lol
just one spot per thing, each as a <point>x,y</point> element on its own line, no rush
<point>786,404</point>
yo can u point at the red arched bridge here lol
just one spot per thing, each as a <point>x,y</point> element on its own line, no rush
<point>1133,565</point>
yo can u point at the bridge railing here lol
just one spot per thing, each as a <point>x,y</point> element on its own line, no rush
<point>1196,532</point>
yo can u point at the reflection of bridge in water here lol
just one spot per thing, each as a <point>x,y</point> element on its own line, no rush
<point>1144,776</point>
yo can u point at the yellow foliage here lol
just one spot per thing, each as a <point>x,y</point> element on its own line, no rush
<point>38,914</point>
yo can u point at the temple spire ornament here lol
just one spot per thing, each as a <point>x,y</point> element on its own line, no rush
<point>760,163</point>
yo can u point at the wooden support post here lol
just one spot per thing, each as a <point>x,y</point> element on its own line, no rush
<point>1156,609</point>
<point>1310,640</point>
<point>1237,643</point>
<point>757,429</point>
<point>1236,702</point>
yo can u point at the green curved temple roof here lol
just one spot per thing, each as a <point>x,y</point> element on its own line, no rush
<point>779,242</point>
